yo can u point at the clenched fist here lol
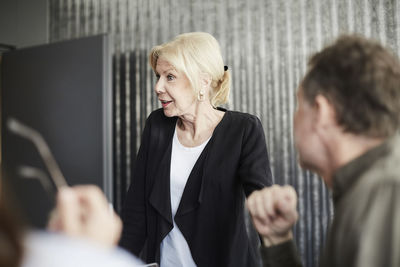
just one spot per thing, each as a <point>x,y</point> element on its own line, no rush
<point>273,210</point>
<point>83,211</point>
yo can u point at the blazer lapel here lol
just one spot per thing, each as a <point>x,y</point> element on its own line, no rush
<point>193,193</point>
<point>160,196</point>
<point>197,182</point>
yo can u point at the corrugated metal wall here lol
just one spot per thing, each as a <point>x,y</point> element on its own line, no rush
<point>265,43</point>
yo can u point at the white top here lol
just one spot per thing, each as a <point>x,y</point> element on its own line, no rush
<point>43,249</point>
<point>174,249</point>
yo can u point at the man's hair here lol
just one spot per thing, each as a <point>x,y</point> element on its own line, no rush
<point>361,79</point>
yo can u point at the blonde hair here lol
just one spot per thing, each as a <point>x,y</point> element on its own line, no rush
<point>193,54</point>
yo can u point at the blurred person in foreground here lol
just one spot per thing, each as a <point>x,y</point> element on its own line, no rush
<point>83,232</point>
<point>346,130</point>
<point>196,164</point>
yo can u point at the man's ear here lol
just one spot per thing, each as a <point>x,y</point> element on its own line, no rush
<point>324,111</point>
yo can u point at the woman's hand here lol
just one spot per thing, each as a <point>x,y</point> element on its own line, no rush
<point>273,210</point>
<point>83,211</point>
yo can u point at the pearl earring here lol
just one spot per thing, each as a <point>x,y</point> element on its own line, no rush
<point>200,95</point>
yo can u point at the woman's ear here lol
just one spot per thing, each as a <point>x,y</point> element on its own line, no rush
<point>205,80</point>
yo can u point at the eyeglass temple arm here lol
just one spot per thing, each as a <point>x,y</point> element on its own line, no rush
<point>36,138</point>
<point>29,172</point>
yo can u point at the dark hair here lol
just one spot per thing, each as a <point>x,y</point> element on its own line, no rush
<point>362,81</point>
<point>11,249</point>
<point>11,229</point>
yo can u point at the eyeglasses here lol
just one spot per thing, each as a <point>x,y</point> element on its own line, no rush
<point>37,139</point>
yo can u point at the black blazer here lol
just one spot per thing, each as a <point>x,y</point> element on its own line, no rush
<point>210,214</point>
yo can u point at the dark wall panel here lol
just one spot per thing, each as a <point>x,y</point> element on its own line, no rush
<point>62,90</point>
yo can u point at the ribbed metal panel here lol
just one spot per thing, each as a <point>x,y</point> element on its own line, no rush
<point>265,43</point>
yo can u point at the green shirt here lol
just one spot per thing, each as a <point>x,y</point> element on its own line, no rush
<point>365,231</point>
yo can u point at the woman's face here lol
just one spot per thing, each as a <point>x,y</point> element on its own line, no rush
<point>174,90</point>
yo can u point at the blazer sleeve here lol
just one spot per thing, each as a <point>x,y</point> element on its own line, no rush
<point>254,168</point>
<point>134,209</point>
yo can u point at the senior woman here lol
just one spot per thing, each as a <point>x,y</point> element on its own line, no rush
<point>196,164</point>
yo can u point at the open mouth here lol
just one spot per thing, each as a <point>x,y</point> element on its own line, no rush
<point>165,103</point>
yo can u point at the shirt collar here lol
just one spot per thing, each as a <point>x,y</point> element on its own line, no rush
<point>349,174</point>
